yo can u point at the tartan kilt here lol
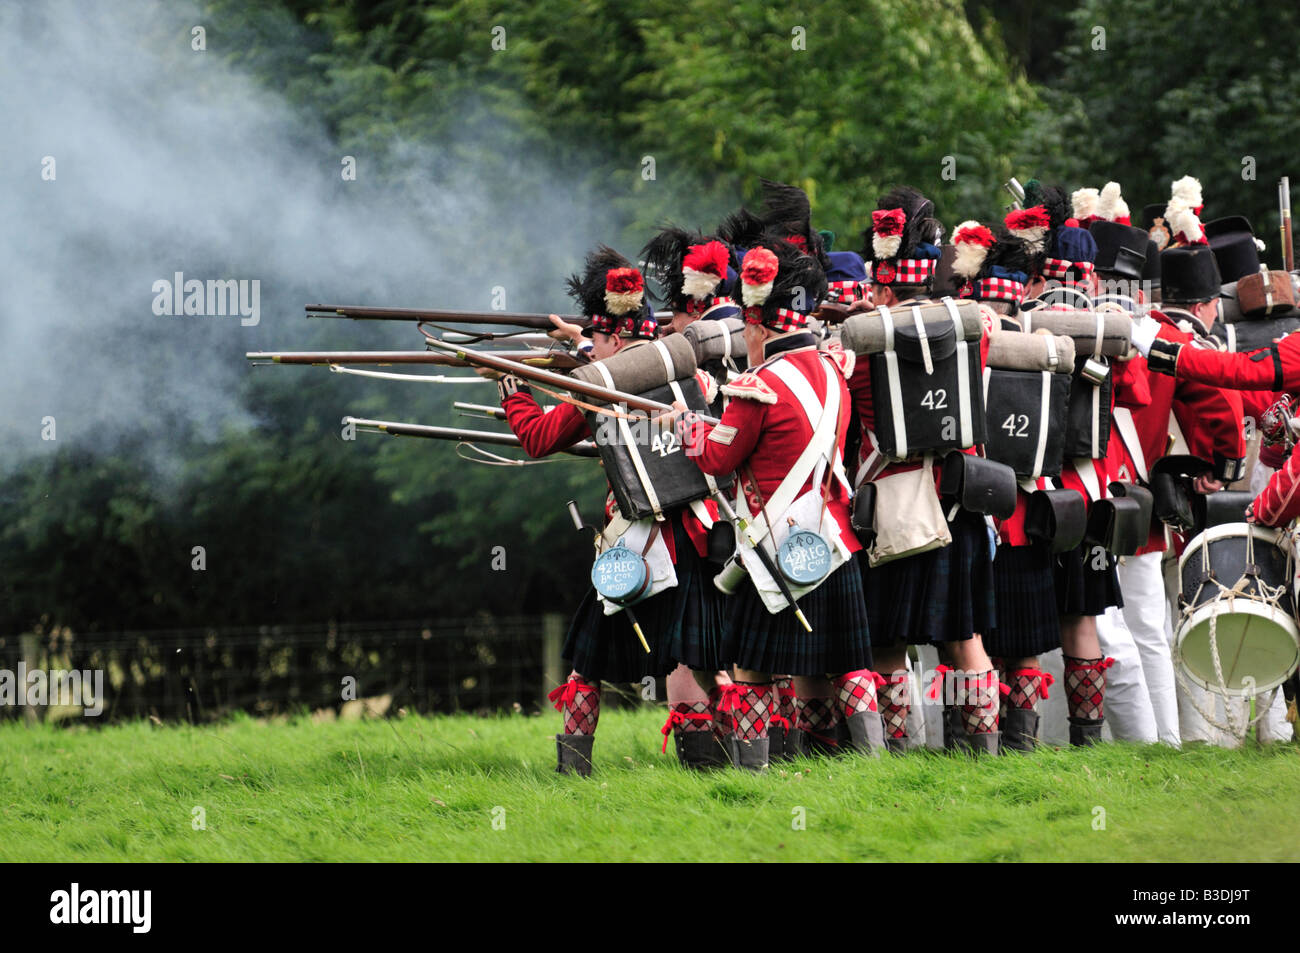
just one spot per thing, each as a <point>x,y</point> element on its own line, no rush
<point>1025,587</point>
<point>777,643</point>
<point>683,624</point>
<point>1081,589</point>
<point>944,595</point>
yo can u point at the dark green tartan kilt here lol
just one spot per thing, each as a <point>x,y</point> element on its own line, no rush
<point>1082,589</point>
<point>840,640</point>
<point>1028,623</point>
<point>683,624</point>
<point>944,595</point>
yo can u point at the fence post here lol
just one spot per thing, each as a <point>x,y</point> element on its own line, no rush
<point>552,644</point>
<point>30,653</point>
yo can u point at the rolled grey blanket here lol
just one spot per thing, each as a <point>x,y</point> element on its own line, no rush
<point>1017,351</point>
<point>1116,328</point>
<point>711,340</point>
<point>643,366</point>
<point>865,333</point>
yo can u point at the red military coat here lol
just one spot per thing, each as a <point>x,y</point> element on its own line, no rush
<point>764,429</point>
<point>1279,502</point>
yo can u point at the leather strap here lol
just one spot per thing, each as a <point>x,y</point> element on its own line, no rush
<point>633,453</point>
<point>1128,433</point>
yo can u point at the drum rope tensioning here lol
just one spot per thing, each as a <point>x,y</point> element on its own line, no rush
<point>1248,586</point>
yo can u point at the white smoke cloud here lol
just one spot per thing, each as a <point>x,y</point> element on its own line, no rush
<point>165,159</point>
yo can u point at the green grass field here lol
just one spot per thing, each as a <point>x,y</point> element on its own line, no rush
<point>473,789</point>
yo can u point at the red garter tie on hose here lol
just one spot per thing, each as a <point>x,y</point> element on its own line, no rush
<point>580,704</point>
<point>687,716</point>
<point>856,692</point>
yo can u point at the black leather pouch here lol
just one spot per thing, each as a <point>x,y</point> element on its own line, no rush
<point>1056,517</point>
<point>980,485</point>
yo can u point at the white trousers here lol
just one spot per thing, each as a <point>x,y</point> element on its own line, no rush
<point>1146,614</point>
<point>1128,711</point>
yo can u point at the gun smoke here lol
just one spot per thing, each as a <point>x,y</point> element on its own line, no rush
<point>132,157</point>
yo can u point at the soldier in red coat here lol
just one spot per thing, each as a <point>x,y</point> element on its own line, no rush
<point>1086,581</point>
<point>939,596</point>
<point>682,624</point>
<point>694,277</point>
<point>782,433</point>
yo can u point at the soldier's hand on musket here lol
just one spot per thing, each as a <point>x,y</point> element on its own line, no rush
<point>488,372</point>
<point>564,331</point>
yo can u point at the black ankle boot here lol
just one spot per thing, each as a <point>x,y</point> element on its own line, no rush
<point>700,750</point>
<point>574,753</point>
<point>750,755</point>
<point>866,733</point>
<point>1085,732</point>
<point>1020,729</point>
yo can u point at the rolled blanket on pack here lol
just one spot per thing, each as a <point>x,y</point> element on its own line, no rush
<point>1017,351</point>
<point>639,369</point>
<point>1243,337</point>
<point>865,333</point>
<point>1116,328</point>
<point>717,340</point>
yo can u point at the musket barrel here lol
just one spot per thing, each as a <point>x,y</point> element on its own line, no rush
<point>461,435</point>
<point>533,357</point>
<point>513,318</point>
<point>494,412</point>
<point>493,361</point>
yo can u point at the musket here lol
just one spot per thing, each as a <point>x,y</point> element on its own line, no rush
<point>518,319</point>
<point>561,360</point>
<point>481,410</point>
<point>583,449</point>
<point>1017,191</point>
<point>512,318</point>
<point>1284,203</point>
<point>608,395</point>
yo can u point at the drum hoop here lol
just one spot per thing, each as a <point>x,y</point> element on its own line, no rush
<point>1244,606</point>
<point>1226,531</point>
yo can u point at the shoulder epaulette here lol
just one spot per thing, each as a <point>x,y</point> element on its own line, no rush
<point>751,387</point>
<point>844,360</point>
<point>708,386</point>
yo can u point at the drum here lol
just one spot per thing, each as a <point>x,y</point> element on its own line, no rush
<point>1237,634</point>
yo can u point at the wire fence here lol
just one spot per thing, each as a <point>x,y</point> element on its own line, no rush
<point>479,664</point>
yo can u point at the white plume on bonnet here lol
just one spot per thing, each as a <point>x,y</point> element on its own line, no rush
<point>755,294</point>
<point>1111,206</point>
<point>1084,202</point>
<point>1184,222</point>
<point>969,258</point>
<point>885,246</point>
<point>1188,191</point>
<point>698,284</point>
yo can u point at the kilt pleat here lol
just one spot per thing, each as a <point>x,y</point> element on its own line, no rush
<point>1082,589</point>
<point>1028,621</point>
<point>944,595</point>
<point>683,624</point>
<point>840,640</point>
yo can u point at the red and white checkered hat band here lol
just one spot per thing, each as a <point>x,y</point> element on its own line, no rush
<point>996,289</point>
<point>844,291</point>
<point>699,306</point>
<point>785,319</point>
<point>1061,268</point>
<point>903,271</point>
